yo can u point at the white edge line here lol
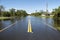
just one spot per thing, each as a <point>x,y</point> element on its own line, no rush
<point>8,26</point>
<point>49,26</point>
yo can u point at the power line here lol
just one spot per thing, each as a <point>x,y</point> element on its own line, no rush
<point>46,6</point>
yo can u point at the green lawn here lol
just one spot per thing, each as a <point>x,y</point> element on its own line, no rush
<point>46,16</point>
<point>5,18</point>
<point>58,28</point>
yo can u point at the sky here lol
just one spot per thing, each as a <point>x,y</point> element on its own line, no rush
<point>30,5</point>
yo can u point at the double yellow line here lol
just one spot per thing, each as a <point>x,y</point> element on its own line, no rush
<point>29,26</point>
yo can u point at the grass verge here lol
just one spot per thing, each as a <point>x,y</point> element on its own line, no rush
<point>58,28</point>
<point>6,18</point>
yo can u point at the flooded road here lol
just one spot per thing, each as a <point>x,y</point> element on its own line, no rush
<point>42,29</point>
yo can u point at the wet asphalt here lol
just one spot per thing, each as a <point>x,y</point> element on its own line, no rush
<point>40,31</point>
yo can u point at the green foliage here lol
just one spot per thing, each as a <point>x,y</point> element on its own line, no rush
<point>6,14</point>
<point>12,12</point>
<point>21,13</point>
<point>36,13</point>
<point>56,13</point>
<point>1,10</point>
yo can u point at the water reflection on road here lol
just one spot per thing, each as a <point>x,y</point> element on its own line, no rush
<point>7,22</point>
<point>49,21</point>
<point>40,30</point>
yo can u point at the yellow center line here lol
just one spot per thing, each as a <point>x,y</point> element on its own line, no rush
<point>29,26</point>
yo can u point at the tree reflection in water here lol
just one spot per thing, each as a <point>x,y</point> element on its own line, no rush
<point>57,24</point>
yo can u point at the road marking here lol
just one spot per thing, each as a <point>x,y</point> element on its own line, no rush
<point>29,26</point>
<point>48,25</point>
<point>8,27</point>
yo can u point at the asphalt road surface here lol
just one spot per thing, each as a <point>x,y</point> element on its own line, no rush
<point>29,28</point>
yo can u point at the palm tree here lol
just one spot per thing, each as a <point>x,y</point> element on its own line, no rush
<point>56,13</point>
<point>12,11</point>
<point>1,10</point>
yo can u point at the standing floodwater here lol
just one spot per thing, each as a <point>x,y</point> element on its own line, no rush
<point>42,28</point>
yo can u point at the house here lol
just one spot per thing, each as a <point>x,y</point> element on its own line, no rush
<point>43,15</point>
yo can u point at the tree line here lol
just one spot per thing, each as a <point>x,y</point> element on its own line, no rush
<point>38,13</point>
<point>12,12</point>
<point>55,12</point>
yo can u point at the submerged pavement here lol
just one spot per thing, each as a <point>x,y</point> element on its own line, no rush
<point>30,28</point>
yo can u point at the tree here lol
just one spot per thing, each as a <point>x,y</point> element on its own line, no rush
<point>1,10</point>
<point>37,13</point>
<point>56,12</point>
<point>6,14</point>
<point>12,11</point>
<point>21,13</point>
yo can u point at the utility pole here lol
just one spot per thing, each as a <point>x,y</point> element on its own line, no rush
<point>46,7</point>
<point>35,10</point>
<point>0,8</point>
<point>46,19</point>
